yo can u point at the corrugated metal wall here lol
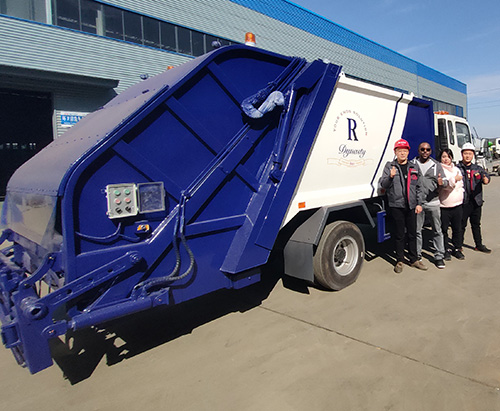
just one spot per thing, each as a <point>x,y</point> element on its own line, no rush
<point>43,47</point>
<point>48,48</point>
<point>231,20</point>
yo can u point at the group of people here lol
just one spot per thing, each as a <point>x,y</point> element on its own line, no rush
<point>446,194</point>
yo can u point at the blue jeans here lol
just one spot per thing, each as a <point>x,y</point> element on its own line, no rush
<point>434,212</point>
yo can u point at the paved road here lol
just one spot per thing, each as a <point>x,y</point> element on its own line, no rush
<point>415,341</point>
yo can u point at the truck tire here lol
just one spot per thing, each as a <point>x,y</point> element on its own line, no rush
<point>339,255</point>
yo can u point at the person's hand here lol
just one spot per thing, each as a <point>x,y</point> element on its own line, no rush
<point>458,177</point>
<point>440,180</point>
<point>486,180</point>
<point>418,209</point>
<point>393,171</point>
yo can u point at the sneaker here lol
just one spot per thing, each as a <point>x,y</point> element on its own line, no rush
<point>440,264</point>
<point>447,256</point>
<point>420,265</point>
<point>458,255</point>
<point>398,268</point>
<point>483,249</point>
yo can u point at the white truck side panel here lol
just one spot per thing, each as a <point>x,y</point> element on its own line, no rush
<point>350,145</point>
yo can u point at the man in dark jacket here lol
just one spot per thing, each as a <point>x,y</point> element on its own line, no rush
<point>474,178</point>
<point>401,180</point>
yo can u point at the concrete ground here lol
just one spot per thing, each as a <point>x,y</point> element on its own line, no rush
<point>415,341</point>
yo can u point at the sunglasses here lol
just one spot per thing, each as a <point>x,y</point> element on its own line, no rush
<point>425,149</point>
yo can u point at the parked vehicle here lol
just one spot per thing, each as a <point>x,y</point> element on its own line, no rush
<point>451,132</point>
<point>181,185</point>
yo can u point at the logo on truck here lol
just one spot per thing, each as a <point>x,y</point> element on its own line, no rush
<point>352,128</point>
<point>351,123</point>
<point>356,126</point>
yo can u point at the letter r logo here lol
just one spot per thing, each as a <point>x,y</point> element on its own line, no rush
<point>351,124</point>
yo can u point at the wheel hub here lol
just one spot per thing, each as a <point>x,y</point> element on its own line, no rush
<point>345,256</point>
<point>340,254</point>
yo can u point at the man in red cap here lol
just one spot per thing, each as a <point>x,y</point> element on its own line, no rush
<point>401,180</point>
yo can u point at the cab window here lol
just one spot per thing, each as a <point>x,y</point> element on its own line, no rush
<point>463,134</point>
<point>451,133</point>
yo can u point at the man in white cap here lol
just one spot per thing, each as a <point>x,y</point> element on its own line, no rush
<point>474,178</point>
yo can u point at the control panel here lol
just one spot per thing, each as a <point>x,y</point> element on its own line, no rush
<point>122,200</point>
<point>129,199</point>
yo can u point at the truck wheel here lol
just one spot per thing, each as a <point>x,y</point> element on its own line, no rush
<point>339,255</point>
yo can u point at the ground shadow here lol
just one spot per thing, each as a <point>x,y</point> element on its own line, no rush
<point>80,352</point>
<point>386,249</point>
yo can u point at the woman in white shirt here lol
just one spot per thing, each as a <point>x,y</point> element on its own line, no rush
<point>452,198</point>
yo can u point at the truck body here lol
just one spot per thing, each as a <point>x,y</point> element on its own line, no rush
<point>181,185</point>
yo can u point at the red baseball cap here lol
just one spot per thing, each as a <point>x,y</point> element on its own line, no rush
<point>401,144</point>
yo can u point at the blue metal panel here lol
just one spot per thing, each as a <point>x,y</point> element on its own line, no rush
<point>228,180</point>
<point>419,123</point>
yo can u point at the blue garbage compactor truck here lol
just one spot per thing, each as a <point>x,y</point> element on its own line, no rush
<point>181,184</point>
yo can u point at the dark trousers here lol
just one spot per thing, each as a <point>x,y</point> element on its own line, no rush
<point>405,220</point>
<point>452,217</point>
<point>472,212</point>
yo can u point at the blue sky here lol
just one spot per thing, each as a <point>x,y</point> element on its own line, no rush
<point>460,38</point>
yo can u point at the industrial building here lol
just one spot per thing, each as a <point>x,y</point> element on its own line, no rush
<point>62,59</point>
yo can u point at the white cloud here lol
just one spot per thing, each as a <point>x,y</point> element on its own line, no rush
<point>414,49</point>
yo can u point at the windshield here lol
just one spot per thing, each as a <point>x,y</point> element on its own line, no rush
<point>463,134</point>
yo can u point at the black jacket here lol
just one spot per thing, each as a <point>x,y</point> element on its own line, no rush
<point>473,182</point>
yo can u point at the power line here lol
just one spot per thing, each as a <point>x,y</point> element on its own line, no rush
<point>484,102</point>
<point>483,91</point>
<point>483,107</point>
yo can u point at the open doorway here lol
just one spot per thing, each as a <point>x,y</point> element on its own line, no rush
<point>25,128</point>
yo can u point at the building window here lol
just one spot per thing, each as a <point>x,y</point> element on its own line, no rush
<point>92,17</point>
<point>34,10</point>
<point>450,108</point>
<point>132,24</point>
<point>184,40</point>
<point>168,36</point>
<point>151,32</point>
<point>113,22</point>
<point>198,40</point>
<point>67,14</point>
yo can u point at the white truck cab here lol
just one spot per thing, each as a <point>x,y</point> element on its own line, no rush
<point>451,132</point>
